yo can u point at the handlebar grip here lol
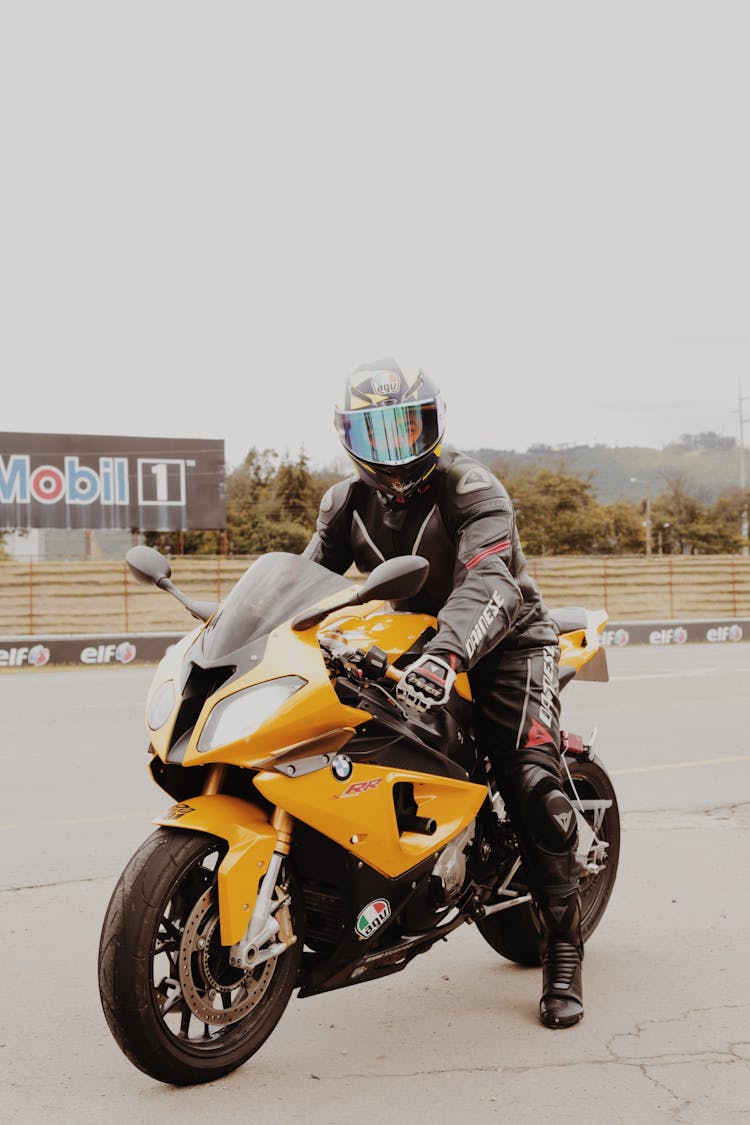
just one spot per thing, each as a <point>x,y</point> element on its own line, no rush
<point>375,664</point>
<point>424,825</point>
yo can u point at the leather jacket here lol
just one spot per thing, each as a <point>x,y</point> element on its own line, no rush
<point>462,521</point>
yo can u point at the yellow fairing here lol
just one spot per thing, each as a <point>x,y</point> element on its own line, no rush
<point>312,711</point>
<point>359,814</point>
<point>580,646</point>
<point>251,841</point>
<point>571,652</point>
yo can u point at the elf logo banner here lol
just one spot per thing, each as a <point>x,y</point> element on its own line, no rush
<point>676,636</point>
<point>121,653</point>
<point>721,633</point>
<point>79,481</point>
<point>36,656</point>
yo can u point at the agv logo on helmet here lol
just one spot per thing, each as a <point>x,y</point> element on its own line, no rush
<point>385,384</point>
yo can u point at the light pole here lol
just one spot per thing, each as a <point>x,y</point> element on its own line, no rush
<point>647,521</point>
<point>743,477</point>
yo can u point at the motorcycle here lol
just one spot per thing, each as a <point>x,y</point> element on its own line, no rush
<point>322,834</point>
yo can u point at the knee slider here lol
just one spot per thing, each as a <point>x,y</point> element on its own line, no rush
<point>551,816</point>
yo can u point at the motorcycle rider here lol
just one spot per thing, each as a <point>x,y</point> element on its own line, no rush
<point>414,495</point>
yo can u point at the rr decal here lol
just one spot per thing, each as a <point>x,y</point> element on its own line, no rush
<point>356,788</point>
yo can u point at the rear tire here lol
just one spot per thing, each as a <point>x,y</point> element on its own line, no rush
<point>178,1010</point>
<point>515,933</point>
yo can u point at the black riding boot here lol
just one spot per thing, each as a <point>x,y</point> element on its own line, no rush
<point>562,953</point>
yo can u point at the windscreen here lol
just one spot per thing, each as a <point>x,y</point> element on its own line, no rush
<point>275,588</point>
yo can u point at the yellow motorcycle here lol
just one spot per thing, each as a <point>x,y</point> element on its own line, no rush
<point>322,834</point>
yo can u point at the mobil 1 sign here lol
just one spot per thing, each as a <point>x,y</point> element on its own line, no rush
<point>121,483</point>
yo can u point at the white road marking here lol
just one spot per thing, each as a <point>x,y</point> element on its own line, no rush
<point>82,820</point>
<point>683,765</point>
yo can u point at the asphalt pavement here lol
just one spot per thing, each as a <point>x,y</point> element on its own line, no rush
<point>666,1036</point>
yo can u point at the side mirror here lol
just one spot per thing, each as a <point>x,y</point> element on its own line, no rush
<point>147,565</point>
<point>393,580</point>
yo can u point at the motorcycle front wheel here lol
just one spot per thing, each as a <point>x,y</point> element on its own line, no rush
<point>175,1005</point>
<point>515,932</point>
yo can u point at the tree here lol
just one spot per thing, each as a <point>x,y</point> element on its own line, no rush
<point>708,439</point>
<point>294,491</point>
<point>248,503</point>
<point>270,508</point>
<point>693,527</point>
<point>728,514</point>
<point>557,512</point>
<point>626,530</point>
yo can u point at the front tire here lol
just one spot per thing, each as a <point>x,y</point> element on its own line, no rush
<point>177,1008</point>
<point>515,933</point>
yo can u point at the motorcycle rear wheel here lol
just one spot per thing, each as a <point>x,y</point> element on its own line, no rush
<point>174,1004</point>
<point>514,933</point>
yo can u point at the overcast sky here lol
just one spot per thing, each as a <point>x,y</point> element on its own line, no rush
<point>212,212</point>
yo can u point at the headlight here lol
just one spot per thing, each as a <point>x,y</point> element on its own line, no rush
<point>160,707</point>
<point>238,715</point>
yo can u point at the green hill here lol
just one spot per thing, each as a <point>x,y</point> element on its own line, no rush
<point>706,472</point>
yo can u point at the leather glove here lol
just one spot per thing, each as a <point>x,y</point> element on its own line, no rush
<point>426,683</point>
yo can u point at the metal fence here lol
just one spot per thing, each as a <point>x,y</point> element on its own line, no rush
<point>637,588</point>
<point>87,597</point>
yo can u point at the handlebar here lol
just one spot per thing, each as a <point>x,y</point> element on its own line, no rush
<point>371,664</point>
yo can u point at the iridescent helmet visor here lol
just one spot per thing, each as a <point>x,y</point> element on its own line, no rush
<point>391,435</point>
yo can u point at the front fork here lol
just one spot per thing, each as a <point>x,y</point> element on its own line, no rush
<point>269,931</point>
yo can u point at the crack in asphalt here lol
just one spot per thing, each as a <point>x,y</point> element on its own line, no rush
<point>11,889</point>
<point>683,1103</point>
<point>680,1059</point>
<point>646,1064</point>
<point>643,1025</point>
<point>731,1056</point>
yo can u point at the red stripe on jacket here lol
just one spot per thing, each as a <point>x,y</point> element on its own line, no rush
<point>490,551</point>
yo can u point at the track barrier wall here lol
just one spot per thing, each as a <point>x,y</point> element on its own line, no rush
<point>97,649</point>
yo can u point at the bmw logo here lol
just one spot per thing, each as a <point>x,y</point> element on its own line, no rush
<point>342,767</point>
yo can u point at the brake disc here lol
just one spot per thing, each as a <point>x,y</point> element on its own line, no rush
<point>207,978</point>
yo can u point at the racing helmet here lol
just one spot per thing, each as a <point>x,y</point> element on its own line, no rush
<point>391,426</point>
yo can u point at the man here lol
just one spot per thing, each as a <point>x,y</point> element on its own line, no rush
<point>411,495</point>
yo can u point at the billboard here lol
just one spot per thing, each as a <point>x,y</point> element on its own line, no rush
<point>97,483</point>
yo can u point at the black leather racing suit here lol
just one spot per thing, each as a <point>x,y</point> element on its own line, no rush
<point>491,616</point>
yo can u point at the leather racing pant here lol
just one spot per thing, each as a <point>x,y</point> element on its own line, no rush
<point>518,714</point>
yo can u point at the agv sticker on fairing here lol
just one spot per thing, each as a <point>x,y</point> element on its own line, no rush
<point>372,918</point>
